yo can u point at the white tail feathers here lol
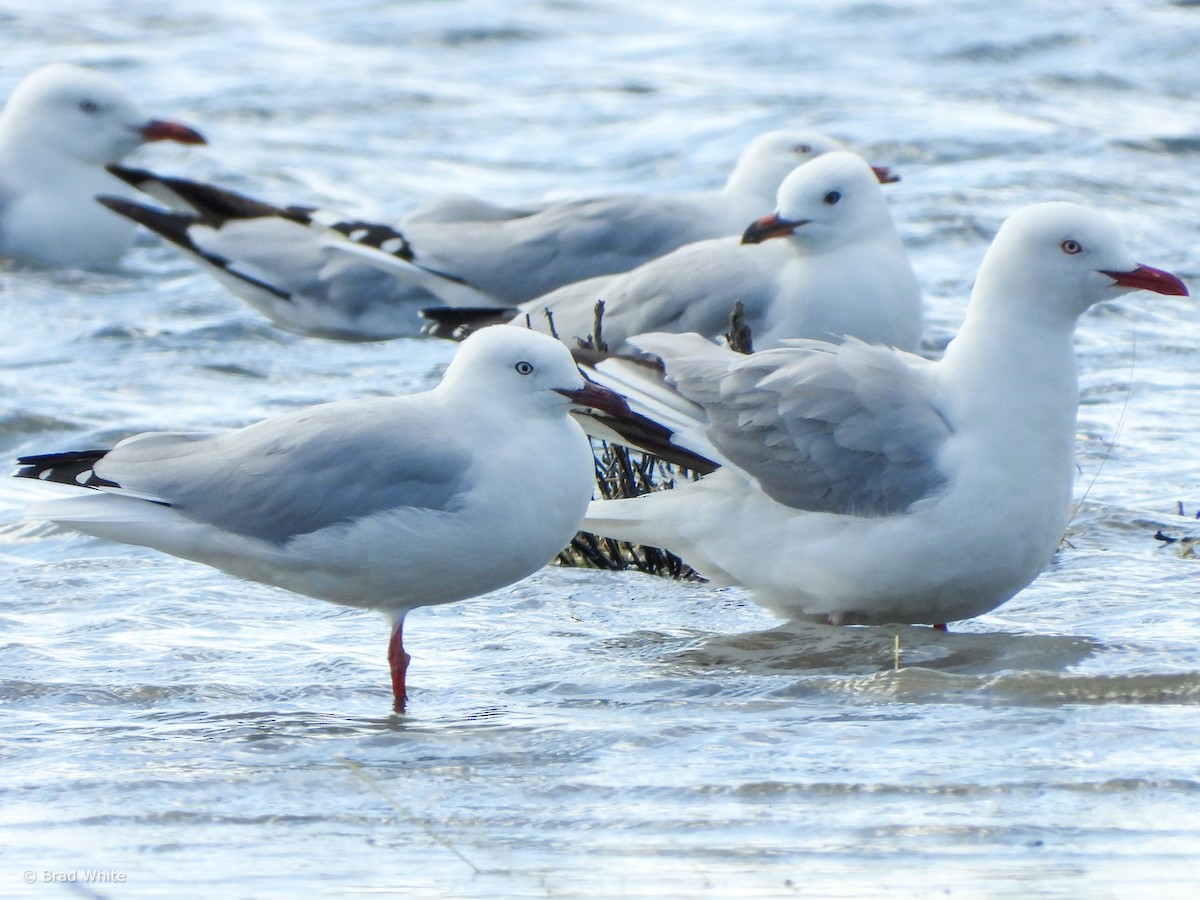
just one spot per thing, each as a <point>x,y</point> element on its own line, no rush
<point>446,289</point>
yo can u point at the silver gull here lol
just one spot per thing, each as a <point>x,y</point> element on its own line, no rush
<point>860,484</point>
<point>58,130</point>
<point>388,504</point>
<point>314,272</point>
<point>827,263</point>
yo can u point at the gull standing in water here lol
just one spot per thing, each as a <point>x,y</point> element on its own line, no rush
<point>859,484</point>
<point>387,504</point>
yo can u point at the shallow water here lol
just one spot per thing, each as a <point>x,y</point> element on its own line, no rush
<point>587,734</point>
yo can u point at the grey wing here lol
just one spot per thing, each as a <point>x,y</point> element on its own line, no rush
<point>300,472</point>
<point>296,260</point>
<point>692,289</point>
<point>524,257</point>
<point>618,233</point>
<point>462,208</point>
<point>661,420</point>
<point>568,311</point>
<point>848,428</point>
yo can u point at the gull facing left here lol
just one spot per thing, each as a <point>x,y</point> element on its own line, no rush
<point>384,503</point>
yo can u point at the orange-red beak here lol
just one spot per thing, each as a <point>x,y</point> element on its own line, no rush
<point>770,226</point>
<point>165,130</point>
<point>1148,278</point>
<point>885,174</point>
<point>598,397</point>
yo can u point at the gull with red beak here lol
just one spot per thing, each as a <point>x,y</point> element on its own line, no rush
<point>321,273</point>
<point>384,503</point>
<point>62,125</point>
<point>837,269</point>
<point>862,485</point>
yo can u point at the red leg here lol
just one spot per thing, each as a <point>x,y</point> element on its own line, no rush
<point>399,663</point>
<point>940,626</point>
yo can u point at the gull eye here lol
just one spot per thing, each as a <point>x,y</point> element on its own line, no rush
<point>1071,247</point>
<point>832,197</point>
<point>89,106</point>
<point>802,149</point>
<point>523,367</point>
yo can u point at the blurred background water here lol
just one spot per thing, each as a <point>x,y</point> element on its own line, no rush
<point>586,734</point>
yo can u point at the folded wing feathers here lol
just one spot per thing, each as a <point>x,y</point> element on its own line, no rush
<point>198,205</point>
<point>837,428</point>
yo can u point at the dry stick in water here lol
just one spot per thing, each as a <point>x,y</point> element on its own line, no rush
<point>739,337</point>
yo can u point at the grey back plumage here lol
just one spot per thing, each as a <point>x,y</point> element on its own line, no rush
<point>850,428</point>
<point>295,474</point>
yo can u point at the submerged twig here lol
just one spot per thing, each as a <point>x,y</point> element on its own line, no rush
<point>622,473</point>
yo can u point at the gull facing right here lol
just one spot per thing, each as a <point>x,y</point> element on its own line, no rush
<point>314,272</point>
<point>864,485</point>
<point>58,130</point>
<point>386,503</point>
<point>827,263</point>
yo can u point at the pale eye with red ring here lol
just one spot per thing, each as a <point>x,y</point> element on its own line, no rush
<point>1071,247</point>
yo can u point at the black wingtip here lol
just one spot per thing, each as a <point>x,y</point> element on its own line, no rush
<point>214,205</point>
<point>466,313</point>
<point>456,322</point>
<point>72,467</point>
<point>170,225</point>
<point>131,176</point>
<point>175,227</point>
<point>641,433</point>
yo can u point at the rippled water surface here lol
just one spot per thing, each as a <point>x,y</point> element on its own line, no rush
<point>580,734</point>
